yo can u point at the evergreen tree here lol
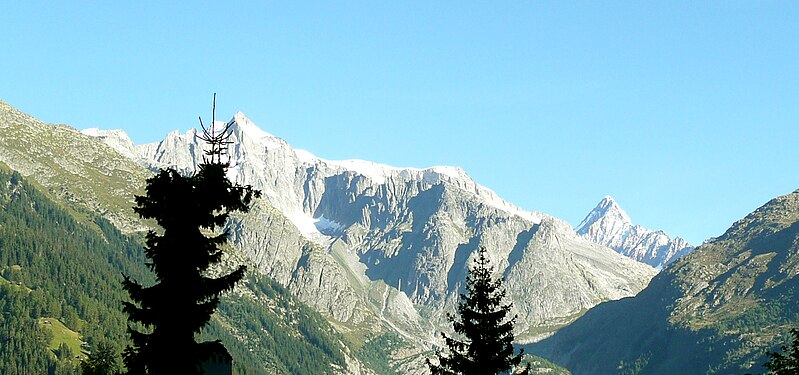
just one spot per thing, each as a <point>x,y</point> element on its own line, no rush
<point>487,346</point>
<point>63,352</point>
<point>189,209</point>
<point>786,363</point>
<point>102,361</point>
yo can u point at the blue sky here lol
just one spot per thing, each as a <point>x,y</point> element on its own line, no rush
<point>685,112</point>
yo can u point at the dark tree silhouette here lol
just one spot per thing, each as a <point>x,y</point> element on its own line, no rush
<point>787,362</point>
<point>189,209</point>
<point>487,347</point>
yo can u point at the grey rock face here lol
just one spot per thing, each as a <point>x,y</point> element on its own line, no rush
<point>607,224</point>
<point>360,240</point>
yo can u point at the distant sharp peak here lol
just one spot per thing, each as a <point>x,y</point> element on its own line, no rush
<point>606,210</point>
<point>610,208</point>
<point>607,224</point>
<point>241,123</point>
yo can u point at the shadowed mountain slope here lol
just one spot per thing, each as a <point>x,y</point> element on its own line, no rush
<point>716,310</point>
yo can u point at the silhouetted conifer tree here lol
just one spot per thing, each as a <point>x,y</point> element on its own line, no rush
<point>787,362</point>
<point>189,209</point>
<point>487,347</point>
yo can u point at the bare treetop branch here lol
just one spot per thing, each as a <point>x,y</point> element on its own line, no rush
<point>218,140</point>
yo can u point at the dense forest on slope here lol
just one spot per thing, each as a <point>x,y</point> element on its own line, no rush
<point>57,268</point>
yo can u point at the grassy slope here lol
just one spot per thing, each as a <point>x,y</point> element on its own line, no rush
<point>63,335</point>
<point>71,166</point>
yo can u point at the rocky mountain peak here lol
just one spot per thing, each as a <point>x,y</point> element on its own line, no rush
<point>608,211</point>
<point>608,224</point>
<point>244,128</point>
<point>113,135</point>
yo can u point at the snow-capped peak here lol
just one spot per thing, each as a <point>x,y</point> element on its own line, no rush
<point>247,126</point>
<point>607,224</point>
<point>607,209</point>
<point>244,126</point>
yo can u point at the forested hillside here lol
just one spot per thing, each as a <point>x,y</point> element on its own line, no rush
<point>58,269</point>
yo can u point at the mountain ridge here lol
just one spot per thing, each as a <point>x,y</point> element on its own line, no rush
<point>376,173</point>
<point>374,215</point>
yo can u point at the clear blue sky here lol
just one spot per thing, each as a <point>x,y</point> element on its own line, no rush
<point>685,111</point>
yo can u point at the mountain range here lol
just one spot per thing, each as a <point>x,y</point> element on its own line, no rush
<point>380,254</point>
<point>58,245</point>
<point>400,237</point>
<point>375,249</point>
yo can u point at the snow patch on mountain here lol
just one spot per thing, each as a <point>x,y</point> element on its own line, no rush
<point>375,172</point>
<point>314,228</point>
<point>305,156</point>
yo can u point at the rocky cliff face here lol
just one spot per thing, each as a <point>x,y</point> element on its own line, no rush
<point>607,224</point>
<point>358,239</point>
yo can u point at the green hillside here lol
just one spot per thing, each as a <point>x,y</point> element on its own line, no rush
<point>716,311</point>
<point>58,269</point>
<point>61,270</point>
<point>62,336</point>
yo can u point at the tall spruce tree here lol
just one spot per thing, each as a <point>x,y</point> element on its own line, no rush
<point>189,209</point>
<point>103,360</point>
<point>487,344</point>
